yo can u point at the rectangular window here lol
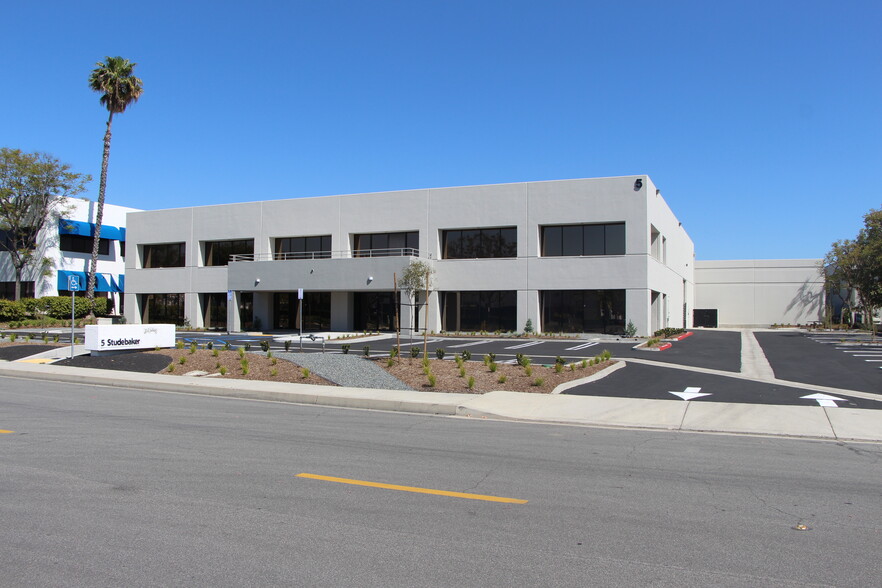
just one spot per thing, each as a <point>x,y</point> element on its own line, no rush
<point>162,308</point>
<point>479,311</point>
<point>480,243</point>
<point>579,240</point>
<point>164,255</point>
<point>583,311</point>
<point>219,252</point>
<point>7,290</point>
<point>386,244</point>
<point>81,244</point>
<point>312,247</point>
<point>214,310</point>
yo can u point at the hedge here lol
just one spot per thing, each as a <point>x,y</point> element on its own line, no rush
<point>54,306</point>
<point>10,310</point>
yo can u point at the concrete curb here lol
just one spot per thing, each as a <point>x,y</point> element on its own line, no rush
<point>707,417</point>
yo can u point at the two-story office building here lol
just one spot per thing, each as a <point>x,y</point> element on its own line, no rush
<point>585,255</point>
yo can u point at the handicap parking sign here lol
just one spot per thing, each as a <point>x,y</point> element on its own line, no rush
<point>73,283</point>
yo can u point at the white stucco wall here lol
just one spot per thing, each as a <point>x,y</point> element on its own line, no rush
<point>760,292</point>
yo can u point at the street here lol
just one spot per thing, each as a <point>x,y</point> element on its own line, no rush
<point>107,487</point>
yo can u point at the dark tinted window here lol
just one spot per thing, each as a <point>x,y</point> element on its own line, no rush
<point>82,244</point>
<point>164,255</point>
<point>219,252</point>
<point>576,240</point>
<point>480,243</point>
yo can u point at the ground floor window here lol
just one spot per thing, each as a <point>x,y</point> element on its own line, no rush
<point>7,290</point>
<point>246,311</point>
<point>162,308</point>
<point>583,311</point>
<point>214,310</point>
<point>316,311</point>
<point>479,311</point>
<point>374,311</point>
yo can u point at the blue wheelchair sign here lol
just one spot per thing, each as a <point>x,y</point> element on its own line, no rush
<point>73,283</point>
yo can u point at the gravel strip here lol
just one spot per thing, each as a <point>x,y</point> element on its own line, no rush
<point>346,370</point>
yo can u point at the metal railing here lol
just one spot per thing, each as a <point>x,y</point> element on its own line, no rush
<point>310,255</point>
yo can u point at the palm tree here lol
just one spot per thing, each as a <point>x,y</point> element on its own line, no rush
<point>115,80</point>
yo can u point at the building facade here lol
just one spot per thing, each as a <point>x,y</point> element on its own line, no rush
<point>587,255</point>
<point>66,239</point>
<point>758,292</point>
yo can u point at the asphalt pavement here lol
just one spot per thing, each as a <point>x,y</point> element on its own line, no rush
<point>110,486</point>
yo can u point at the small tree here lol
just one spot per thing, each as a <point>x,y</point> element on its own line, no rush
<point>34,188</point>
<point>413,281</point>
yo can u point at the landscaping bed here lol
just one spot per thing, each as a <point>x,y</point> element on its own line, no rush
<point>259,367</point>
<point>541,379</point>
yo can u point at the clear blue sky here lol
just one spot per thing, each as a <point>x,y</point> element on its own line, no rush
<point>758,120</point>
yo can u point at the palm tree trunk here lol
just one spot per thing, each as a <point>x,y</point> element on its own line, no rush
<point>99,217</point>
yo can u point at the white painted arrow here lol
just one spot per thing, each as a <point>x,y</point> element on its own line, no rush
<point>690,393</point>
<point>824,399</point>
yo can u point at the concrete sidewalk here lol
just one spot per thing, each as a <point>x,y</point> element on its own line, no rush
<point>672,415</point>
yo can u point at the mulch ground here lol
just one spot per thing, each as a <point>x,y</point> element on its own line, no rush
<point>15,351</point>
<point>538,379</point>
<point>259,366</point>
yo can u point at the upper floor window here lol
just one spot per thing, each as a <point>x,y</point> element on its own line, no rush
<point>81,244</point>
<point>219,252</point>
<point>386,244</point>
<point>575,240</point>
<point>317,247</point>
<point>164,255</point>
<point>480,243</point>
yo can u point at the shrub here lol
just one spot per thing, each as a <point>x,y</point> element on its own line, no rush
<point>269,354</point>
<point>217,365</point>
<point>559,360</point>
<point>55,339</point>
<point>367,350</point>
<point>528,369</point>
<point>462,372</point>
<point>523,360</point>
<point>668,332</point>
<point>11,310</point>
<point>471,382</point>
<point>247,346</point>
<point>558,367</point>
<point>13,337</point>
<point>652,342</point>
<point>179,344</point>
<point>192,348</point>
<point>425,362</point>
<point>241,352</point>
<point>171,367</point>
<point>501,379</point>
<point>606,355</point>
<point>245,370</point>
<point>427,370</point>
<point>273,361</point>
<point>393,352</point>
<point>390,362</point>
<point>27,338</point>
<point>538,382</point>
<point>264,345</point>
<point>274,372</point>
<point>304,372</point>
<point>223,370</point>
<point>344,348</point>
<point>414,352</point>
<point>440,353</point>
<point>466,355</point>
<point>528,328</point>
<point>572,367</point>
<point>432,380</point>
<point>214,352</point>
<point>492,357</point>
<point>209,345</point>
<point>227,346</point>
<point>288,345</point>
<point>630,330</point>
<point>458,360</point>
<point>493,366</point>
<point>182,359</point>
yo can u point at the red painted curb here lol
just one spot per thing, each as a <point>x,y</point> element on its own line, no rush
<point>683,336</point>
<point>664,346</point>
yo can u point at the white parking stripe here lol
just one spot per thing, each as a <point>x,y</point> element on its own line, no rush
<point>522,345</point>
<point>470,344</point>
<point>582,346</point>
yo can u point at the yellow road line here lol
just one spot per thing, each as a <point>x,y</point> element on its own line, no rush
<point>413,489</point>
<point>5,431</point>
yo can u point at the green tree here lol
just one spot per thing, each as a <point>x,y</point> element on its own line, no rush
<point>416,277</point>
<point>114,79</point>
<point>856,267</point>
<point>33,190</point>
